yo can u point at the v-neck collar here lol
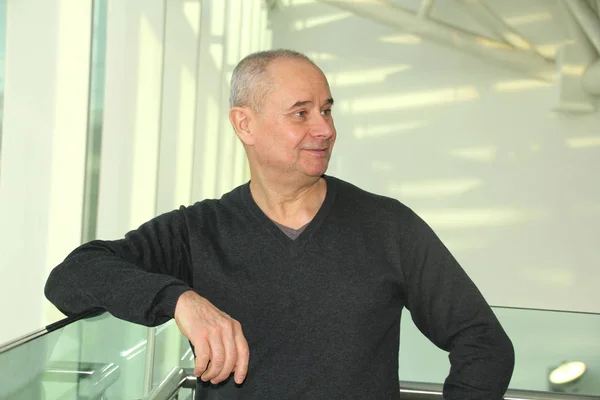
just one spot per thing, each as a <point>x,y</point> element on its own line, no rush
<point>275,231</point>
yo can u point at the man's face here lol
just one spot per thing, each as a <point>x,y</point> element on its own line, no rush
<point>295,131</point>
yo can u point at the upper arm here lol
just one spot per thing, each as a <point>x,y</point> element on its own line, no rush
<point>443,300</point>
<point>449,309</point>
<point>160,246</point>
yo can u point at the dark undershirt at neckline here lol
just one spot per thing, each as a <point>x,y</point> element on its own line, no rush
<point>306,232</point>
<point>291,232</point>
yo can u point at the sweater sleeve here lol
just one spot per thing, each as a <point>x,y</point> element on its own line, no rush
<point>448,308</point>
<point>138,278</point>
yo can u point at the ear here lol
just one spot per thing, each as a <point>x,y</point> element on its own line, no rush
<point>240,119</point>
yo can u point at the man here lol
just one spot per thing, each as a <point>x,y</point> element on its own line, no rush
<point>292,286</point>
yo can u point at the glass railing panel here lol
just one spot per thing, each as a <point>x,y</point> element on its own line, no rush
<point>542,339</point>
<point>106,340</point>
<point>172,350</point>
<point>104,356</point>
<point>545,339</point>
<point>90,358</point>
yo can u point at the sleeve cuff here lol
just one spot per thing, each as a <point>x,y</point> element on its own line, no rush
<point>166,299</point>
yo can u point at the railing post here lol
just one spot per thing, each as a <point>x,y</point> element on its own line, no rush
<point>150,351</point>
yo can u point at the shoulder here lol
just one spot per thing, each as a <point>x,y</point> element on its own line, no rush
<point>230,204</point>
<point>378,206</point>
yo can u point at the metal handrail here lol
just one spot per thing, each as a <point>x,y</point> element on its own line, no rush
<point>183,378</point>
<point>50,328</point>
<point>22,340</point>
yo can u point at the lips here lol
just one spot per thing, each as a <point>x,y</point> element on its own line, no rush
<point>317,148</point>
<point>318,152</point>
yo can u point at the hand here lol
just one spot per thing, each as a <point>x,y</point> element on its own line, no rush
<point>216,337</point>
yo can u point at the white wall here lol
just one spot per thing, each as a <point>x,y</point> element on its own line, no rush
<point>509,184</point>
<point>165,135</point>
<point>474,148</point>
<point>43,151</point>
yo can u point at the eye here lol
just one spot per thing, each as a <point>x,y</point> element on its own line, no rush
<point>326,112</point>
<point>300,114</point>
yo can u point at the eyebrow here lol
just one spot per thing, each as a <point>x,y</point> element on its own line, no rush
<point>300,103</point>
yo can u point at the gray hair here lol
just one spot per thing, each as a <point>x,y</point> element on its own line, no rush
<point>251,82</point>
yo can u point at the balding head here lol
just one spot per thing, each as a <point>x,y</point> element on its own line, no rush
<point>251,81</point>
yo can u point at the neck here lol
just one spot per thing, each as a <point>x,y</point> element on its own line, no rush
<point>292,204</point>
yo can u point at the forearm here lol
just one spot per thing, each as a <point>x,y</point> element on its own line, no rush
<point>482,363</point>
<point>98,279</point>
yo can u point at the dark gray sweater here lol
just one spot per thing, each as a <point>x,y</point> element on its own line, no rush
<point>321,313</point>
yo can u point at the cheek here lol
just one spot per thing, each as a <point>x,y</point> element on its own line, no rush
<point>268,138</point>
<point>280,140</point>
<point>292,138</point>
<point>275,146</point>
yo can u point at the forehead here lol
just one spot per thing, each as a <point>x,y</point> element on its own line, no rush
<point>296,79</point>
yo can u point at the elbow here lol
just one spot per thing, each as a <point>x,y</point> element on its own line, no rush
<point>506,357</point>
<point>500,361</point>
<point>51,286</point>
<point>484,362</point>
<point>57,291</point>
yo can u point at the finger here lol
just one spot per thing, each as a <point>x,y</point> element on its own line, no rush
<point>243,356</point>
<point>202,350</point>
<point>230,354</point>
<point>217,358</point>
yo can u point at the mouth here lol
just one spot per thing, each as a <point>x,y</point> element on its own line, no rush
<point>318,152</point>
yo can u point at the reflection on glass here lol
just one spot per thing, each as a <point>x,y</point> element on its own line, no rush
<point>94,130</point>
<point>567,373</point>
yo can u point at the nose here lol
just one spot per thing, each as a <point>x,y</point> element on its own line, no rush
<point>323,127</point>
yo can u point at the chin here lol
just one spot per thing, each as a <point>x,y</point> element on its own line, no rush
<point>314,169</point>
<point>316,172</point>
